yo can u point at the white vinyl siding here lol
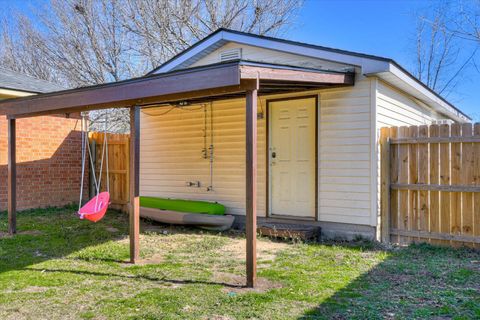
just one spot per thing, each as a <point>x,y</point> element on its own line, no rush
<point>395,108</point>
<point>172,143</point>
<point>171,154</point>
<point>345,154</point>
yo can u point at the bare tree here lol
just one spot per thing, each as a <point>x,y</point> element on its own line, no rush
<point>466,20</point>
<point>85,42</point>
<point>22,50</point>
<point>177,24</point>
<point>442,58</point>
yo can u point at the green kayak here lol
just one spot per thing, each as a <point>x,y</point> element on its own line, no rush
<point>180,205</point>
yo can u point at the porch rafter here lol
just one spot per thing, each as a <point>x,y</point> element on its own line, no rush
<point>213,81</point>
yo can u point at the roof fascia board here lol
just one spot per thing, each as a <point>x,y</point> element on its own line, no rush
<point>189,53</point>
<point>368,65</point>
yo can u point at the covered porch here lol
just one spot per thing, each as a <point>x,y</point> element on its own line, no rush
<point>236,79</point>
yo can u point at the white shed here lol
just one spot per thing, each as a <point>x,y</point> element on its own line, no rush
<point>317,149</point>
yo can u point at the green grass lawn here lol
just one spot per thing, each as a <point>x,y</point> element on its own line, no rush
<point>59,267</point>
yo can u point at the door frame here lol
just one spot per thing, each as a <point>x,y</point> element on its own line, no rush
<point>267,154</point>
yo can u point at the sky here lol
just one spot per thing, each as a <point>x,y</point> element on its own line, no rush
<point>383,28</point>
<point>378,27</point>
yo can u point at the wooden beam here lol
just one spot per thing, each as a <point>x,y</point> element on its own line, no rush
<point>297,75</point>
<point>435,235</point>
<point>158,88</point>
<point>454,139</point>
<point>12,178</point>
<point>385,185</point>
<point>435,187</point>
<point>251,186</point>
<point>134,184</point>
<point>223,79</point>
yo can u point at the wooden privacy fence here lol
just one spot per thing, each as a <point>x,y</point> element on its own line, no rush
<point>430,184</point>
<point>118,162</point>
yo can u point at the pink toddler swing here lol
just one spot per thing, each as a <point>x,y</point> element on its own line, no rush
<point>95,208</point>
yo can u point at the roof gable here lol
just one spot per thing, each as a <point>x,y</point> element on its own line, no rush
<point>365,64</point>
<point>219,38</point>
<point>262,55</point>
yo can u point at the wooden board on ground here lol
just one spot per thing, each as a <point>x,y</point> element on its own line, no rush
<point>289,231</point>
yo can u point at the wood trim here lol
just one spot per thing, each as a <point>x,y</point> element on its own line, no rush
<point>317,109</point>
<point>295,75</point>
<point>435,187</point>
<point>155,89</point>
<point>12,178</point>
<point>435,235</point>
<point>454,139</point>
<point>385,185</point>
<point>267,156</point>
<point>114,171</point>
<point>134,184</point>
<point>223,79</point>
<point>251,186</point>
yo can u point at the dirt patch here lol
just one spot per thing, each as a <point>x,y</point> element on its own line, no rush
<point>266,250</point>
<point>26,232</point>
<point>31,289</point>
<point>154,259</point>
<point>31,232</point>
<point>217,317</point>
<point>111,229</point>
<point>34,289</point>
<point>235,284</point>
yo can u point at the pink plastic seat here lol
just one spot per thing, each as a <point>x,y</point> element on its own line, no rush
<point>95,209</point>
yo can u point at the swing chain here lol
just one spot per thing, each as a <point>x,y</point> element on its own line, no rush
<point>86,148</point>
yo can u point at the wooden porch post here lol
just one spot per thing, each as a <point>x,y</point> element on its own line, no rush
<point>134,184</point>
<point>251,186</point>
<point>12,178</point>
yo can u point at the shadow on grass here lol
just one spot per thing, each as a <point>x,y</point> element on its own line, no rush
<point>45,234</point>
<point>420,281</point>
<point>137,277</point>
<point>54,233</point>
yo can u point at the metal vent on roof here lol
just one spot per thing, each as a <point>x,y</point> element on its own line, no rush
<point>233,54</point>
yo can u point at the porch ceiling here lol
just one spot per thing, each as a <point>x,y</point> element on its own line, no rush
<point>213,82</point>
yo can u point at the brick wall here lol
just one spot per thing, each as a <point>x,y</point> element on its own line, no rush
<point>48,162</point>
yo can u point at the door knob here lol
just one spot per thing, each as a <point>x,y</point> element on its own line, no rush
<point>274,154</point>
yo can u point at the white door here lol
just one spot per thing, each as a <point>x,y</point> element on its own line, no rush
<point>292,157</point>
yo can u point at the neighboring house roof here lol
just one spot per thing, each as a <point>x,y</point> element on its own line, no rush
<point>20,82</point>
<point>384,68</point>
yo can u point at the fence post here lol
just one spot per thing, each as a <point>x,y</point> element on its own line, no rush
<point>385,185</point>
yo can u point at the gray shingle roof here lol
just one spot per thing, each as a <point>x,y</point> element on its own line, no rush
<point>16,81</point>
